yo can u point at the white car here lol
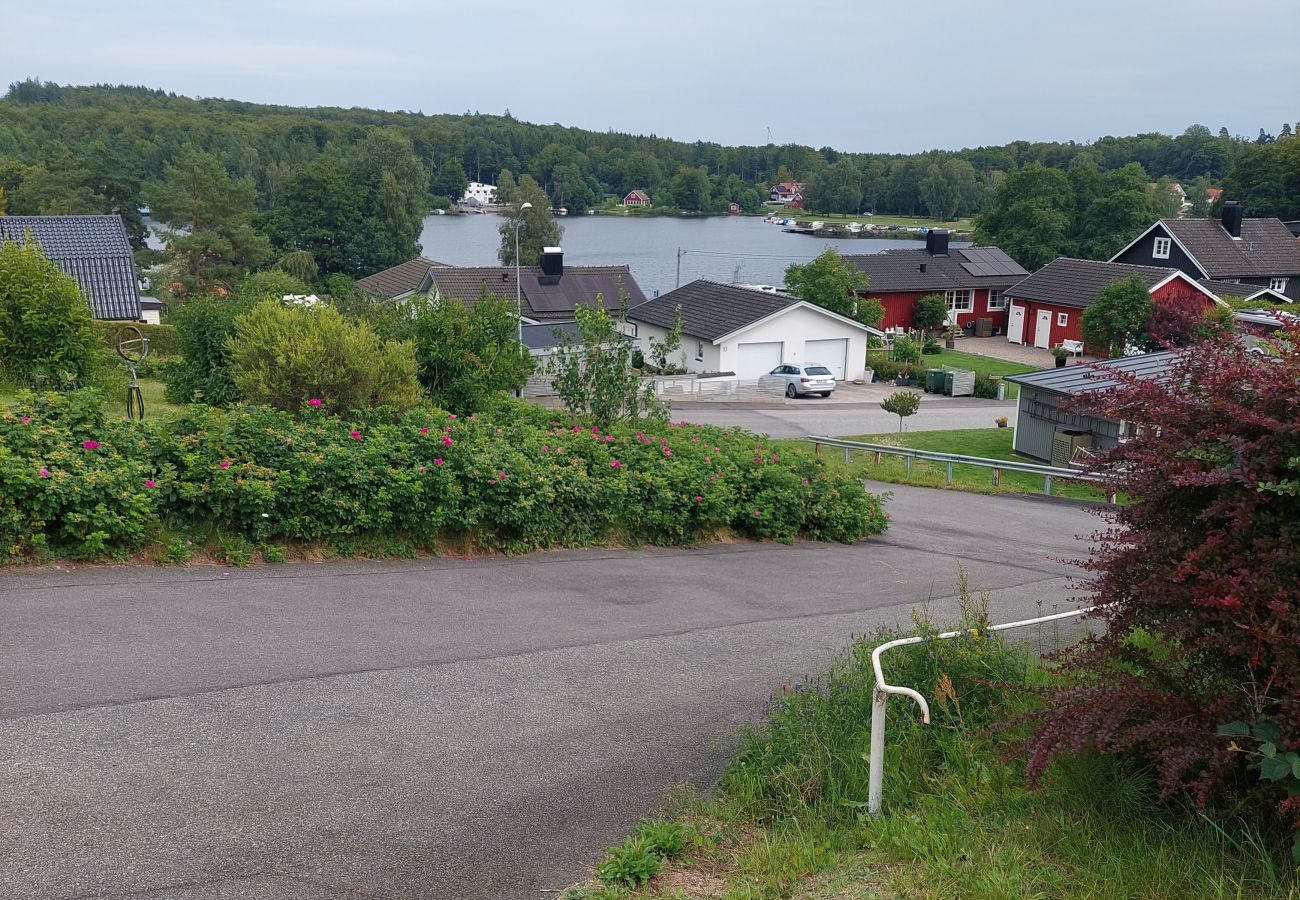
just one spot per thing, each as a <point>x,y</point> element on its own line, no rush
<point>810,378</point>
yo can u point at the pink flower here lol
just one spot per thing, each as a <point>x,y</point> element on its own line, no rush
<point>546,448</point>
<point>708,459</point>
<point>615,464</point>
<point>667,452</point>
<point>355,435</point>
<point>713,478</point>
<point>150,483</point>
<point>421,470</point>
<point>446,441</point>
<point>44,473</point>
<point>501,476</point>
<point>699,499</point>
<point>758,459</point>
<point>695,440</point>
<point>90,445</point>
<point>424,430</point>
<point>437,461</point>
<point>314,401</point>
<point>26,420</point>
<point>452,416</point>
<point>757,513</point>
<point>609,439</point>
<point>225,464</point>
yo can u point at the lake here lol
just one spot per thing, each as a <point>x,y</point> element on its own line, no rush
<point>724,248</point>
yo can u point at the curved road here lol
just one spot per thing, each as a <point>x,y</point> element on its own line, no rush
<point>434,728</point>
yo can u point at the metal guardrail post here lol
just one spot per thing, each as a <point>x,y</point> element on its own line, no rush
<point>907,464</point>
<point>950,471</point>
<point>880,698</point>
<point>848,455</point>
<point>997,477</point>
<point>1047,485</point>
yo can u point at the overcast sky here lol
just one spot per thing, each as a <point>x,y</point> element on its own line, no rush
<point>860,75</point>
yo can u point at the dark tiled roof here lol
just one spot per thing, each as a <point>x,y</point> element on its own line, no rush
<point>92,249</point>
<point>1077,282</point>
<point>1230,290</point>
<point>403,278</point>
<point>578,286</point>
<point>540,337</point>
<point>1267,247</point>
<point>900,270</point>
<point>1074,380</point>
<point>710,309</point>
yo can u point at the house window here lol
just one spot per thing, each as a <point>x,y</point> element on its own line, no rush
<point>699,351</point>
<point>1277,284</point>
<point>1162,248</point>
<point>1062,319</point>
<point>996,300</point>
<point>960,301</point>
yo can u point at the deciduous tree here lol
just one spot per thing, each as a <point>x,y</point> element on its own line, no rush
<point>537,227</point>
<point>832,283</point>
<point>1118,317</point>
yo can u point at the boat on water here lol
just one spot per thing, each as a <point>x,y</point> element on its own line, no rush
<point>854,228</point>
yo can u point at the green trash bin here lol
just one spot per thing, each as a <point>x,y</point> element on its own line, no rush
<point>947,384</point>
<point>934,380</point>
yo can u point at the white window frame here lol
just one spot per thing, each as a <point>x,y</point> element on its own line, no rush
<point>1161,248</point>
<point>699,351</point>
<point>965,295</point>
<point>1278,284</point>
<point>1062,319</point>
<point>998,297</point>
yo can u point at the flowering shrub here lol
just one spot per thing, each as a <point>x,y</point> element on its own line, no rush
<point>1200,577</point>
<point>514,479</point>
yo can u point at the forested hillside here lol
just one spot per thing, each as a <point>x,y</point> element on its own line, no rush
<point>349,185</point>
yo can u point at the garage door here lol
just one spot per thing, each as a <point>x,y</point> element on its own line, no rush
<point>832,354</point>
<point>753,360</point>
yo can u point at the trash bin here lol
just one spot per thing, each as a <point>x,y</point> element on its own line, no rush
<point>934,380</point>
<point>947,383</point>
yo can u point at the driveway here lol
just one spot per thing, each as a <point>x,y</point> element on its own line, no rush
<point>435,728</point>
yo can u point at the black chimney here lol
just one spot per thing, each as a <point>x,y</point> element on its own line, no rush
<point>1232,218</point>
<point>552,265</point>
<point>936,242</point>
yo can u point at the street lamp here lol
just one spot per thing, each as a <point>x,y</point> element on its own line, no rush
<point>519,304</point>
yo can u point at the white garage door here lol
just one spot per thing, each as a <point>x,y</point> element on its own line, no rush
<point>832,354</point>
<point>753,360</point>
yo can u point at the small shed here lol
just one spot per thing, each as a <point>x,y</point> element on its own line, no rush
<point>1044,429</point>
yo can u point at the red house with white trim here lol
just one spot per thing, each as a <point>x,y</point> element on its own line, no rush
<point>1047,307</point>
<point>637,197</point>
<point>972,280</point>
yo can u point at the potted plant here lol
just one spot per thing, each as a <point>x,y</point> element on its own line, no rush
<point>904,375</point>
<point>1061,355</point>
<point>1002,421</point>
<point>950,337</point>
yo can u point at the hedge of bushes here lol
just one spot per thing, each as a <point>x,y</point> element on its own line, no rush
<point>72,483</point>
<point>163,339</point>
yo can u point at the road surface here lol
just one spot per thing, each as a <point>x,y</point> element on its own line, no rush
<point>434,728</point>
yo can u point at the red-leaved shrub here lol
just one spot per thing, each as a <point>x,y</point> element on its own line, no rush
<point>1200,577</point>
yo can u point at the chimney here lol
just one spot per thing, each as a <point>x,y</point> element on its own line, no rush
<point>552,263</point>
<point>1232,219</point>
<point>936,242</point>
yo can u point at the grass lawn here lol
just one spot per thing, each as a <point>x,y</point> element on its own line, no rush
<point>980,365</point>
<point>789,819</point>
<point>155,404</point>
<point>991,443</point>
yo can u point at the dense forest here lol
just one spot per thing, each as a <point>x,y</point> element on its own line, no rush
<point>251,182</point>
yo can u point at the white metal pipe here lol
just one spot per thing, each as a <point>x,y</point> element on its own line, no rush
<point>880,698</point>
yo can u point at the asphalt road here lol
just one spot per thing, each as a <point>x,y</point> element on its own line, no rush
<point>435,728</point>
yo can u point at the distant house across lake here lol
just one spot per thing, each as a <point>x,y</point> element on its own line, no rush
<point>637,198</point>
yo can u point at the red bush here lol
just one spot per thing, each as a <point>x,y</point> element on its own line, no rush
<point>1200,574</point>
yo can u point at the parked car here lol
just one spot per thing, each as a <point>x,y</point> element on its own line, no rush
<point>798,380</point>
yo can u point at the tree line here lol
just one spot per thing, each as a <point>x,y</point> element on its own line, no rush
<point>349,186</point>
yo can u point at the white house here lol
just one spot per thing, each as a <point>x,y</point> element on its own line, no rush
<point>728,328</point>
<point>480,194</point>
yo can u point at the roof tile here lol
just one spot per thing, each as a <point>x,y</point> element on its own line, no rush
<point>94,250</point>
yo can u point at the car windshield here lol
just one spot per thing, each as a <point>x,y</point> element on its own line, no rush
<point>817,370</point>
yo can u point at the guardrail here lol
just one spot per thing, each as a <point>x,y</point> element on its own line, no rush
<point>950,459</point>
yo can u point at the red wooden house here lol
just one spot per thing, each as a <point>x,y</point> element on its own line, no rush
<point>972,280</point>
<point>636,198</point>
<point>1047,307</point>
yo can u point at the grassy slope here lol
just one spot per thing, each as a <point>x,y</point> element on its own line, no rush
<point>788,818</point>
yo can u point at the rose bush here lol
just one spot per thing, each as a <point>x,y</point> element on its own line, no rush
<point>516,478</point>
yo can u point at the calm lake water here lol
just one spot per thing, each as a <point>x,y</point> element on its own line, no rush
<point>723,248</point>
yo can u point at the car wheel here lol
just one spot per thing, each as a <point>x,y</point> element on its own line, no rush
<point>790,391</point>
<point>825,394</point>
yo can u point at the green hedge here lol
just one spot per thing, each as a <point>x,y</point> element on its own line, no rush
<point>71,483</point>
<point>163,339</point>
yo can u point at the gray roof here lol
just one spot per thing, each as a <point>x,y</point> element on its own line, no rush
<point>1267,247</point>
<point>962,267</point>
<point>578,286</point>
<point>1075,380</point>
<point>711,309</point>
<point>1077,282</point>
<point>542,337</point>
<point>403,278</point>
<point>92,249</point>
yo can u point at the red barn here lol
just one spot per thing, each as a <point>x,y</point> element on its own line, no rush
<point>1047,307</point>
<point>972,280</point>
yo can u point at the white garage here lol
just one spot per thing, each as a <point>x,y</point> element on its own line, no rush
<point>731,328</point>
<point>833,353</point>
<point>755,359</point>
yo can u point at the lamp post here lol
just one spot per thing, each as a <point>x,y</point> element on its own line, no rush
<point>519,304</point>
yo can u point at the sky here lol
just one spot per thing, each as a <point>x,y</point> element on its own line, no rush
<point>856,75</point>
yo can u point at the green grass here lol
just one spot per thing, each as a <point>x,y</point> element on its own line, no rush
<point>980,365</point>
<point>156,406</point>
<point>788,818</point>
<point>990,443</point>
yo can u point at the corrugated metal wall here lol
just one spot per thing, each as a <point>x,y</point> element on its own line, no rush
<point>1039,417</point>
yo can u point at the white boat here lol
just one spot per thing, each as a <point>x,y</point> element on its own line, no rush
<point>854,228</point>
<point>816,226</point>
